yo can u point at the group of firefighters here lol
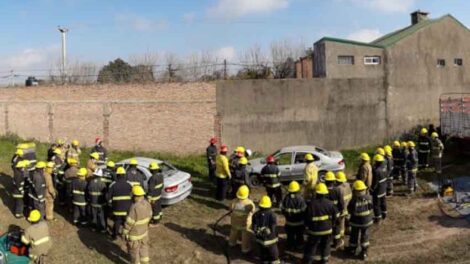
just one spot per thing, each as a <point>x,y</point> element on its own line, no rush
<point>94,193</point>
<point>327,208</point>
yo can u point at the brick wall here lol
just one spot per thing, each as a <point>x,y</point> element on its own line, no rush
<point>177,118</point>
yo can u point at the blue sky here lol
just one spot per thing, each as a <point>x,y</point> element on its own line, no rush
<point>103,30</point>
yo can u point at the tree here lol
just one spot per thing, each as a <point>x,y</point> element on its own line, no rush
<point>283,54</point>
<point>116,71</point>
<point>255,64</point>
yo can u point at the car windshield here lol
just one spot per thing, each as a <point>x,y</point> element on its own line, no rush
<point>322,151</point>
<point>167,168</point>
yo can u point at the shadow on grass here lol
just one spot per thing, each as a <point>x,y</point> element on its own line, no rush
<point>447,221</point>
<point>5,193</point>
<point>101,244</point>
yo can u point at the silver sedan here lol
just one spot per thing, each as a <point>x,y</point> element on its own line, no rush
<point>176,184</point>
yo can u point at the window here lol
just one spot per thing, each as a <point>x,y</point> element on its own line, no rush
<point>300,157</point>
<point>441,63</point>
<point>458,62</point>
<point>346,60</point>
<point>284,158</point>
<point>372,60</point>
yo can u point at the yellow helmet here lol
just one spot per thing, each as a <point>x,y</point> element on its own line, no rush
<point>121,170</point>
<point>82,172</point>
<point>411,144</point>
<point>240,149</point>
<point>388,152</point>
<point>19,152</point>
<point>387,148</point>
<point>34,216</point>
<point>424,131</point>
<point>404,144</point>
<point>95,155</point>
<point>243,161</point>
<point>60,141</point>
<point>293,187</point>
<point>380,151</point>
<point>75,143</point>
<point>40,165</point>
<point>396,143</point>
<point>329,176</point>
<point>434,135</point>
<point>110,164</point>
<point>265,202</point>
<point>50,165</point>
<point>154,166</point>
<point>243,192</point>
<point>20,164</point>
<point>321,188</point>
<point>137,190</point>
<point>359,185</point>
<point>308,157</point>
<point>72,161</point>
<point>133,162</point>
<point>365,157</point>
<point>379,158</point>
<point>58,151</point>
<point>341,177</point>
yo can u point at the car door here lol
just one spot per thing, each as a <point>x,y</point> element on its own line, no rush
<point>284,163</point>
<point>297,171</point>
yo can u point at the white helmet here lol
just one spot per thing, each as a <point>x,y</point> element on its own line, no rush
<point>98,172</point>
<point>248,152</point>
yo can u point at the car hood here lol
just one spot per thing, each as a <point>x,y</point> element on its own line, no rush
<point>175,177</point>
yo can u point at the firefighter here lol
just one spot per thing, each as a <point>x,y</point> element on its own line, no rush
<point>271,177</point>
<point>222,172</point>
<point>50,192</point>
<point>361,210</point>
<point>335,195</point>
<point>242,211</point>
<point>379,188</point>
<point>364,172</point>
<point>134,175</point>
<point>91,164</point>
<point>389,161</point>
<point>109,173</point>
<point>319,220</point>
<point>424,149</point>
<point>241,175</point>
<point>56,158</point>
<point>37,238</point>
<point>19,178</point>
<point>412,167</point>
<point>310,177</point>
<point>293,208</point>
<point>100,149</point>
<point>74,151</point>
<point>405,153</point>
<point>155,186</point>
<point>211,155</point>
<point>346,193</point>
<point>398,160</point>
<point>119,196</point>
<point>79,186</point>
<point>18,156</point>
<point>38,187</point>
<point>69,175</point>
<point>437,150</point>
<point>234,163</point>
<point>96,194</point>
<point>50,151</point>
<point>136,227</point>
<point>264,227</point>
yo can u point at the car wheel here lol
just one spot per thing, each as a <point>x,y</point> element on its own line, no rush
<point>255,180</point>
<point>321,175</point>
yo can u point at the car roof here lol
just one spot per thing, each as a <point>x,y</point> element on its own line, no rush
<point>142,161</point>
<point>299,148</point>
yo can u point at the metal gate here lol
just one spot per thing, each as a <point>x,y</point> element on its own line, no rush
<point>455,114</point>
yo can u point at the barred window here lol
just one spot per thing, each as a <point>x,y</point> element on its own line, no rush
<point>346,60</point>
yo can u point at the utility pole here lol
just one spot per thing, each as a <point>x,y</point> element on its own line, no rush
<point>225,69</point>
<point>63,31</point>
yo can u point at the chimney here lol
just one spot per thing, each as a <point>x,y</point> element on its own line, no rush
<point>418,16</point>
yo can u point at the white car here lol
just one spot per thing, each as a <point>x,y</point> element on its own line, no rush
<point>176,184</point>
<point>291,163</point>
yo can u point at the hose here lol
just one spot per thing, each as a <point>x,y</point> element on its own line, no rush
<point>214,228</point>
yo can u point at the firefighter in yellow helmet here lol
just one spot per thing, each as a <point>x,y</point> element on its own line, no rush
<point>65,192</point>
<point>379,188</point>
<point>136,227</point>
<point>398,161</point>
<point>310,177</point>
<point>74,151</point>
<point>155,187</point>
<point>361,211</point>
<point>364,172</point>
<point>389,158</point>
<point>346,194</point>
<point>412,167</point>
<point>437,150</point>
<point>293,208</point>
<point>119,196</point>
<point>19,179</point>
<point>79,200</point>
<point>424,148</point>
<point>37,237</point>
<point>319,220</point>
<point>336,197</point>
<point>38,187</point>
<point>243,209</point>
<point>17,157</point>
<point>134,175</point>
<point>92,163</point>
<point>264,227</point>
<point>50,192</point>
<point>404,168</point>
<point>240,176</point>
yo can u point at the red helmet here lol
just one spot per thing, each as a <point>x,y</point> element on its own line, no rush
<point>223,148</point>
<point>97,140</point>
<point>270,159</point>
<point>213,140</point>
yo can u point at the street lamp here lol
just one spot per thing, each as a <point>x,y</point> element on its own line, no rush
<point>63,31</point>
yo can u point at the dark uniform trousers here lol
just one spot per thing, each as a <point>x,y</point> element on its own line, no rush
<point>318,245</point>
<point>269,254</point>
<point>380,205</point>
<point>222,188</point>
<point>359,233</point>
<point>275,194</point>
<point>97,216</point>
